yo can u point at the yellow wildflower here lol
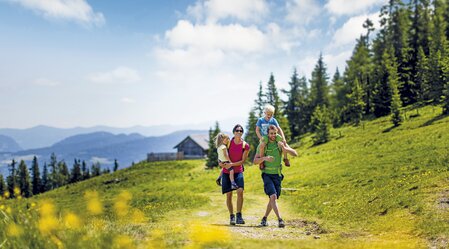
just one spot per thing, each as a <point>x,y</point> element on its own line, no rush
<point>48,224</point>
<point>16,191</point>
<point>121,205</point>
<point>47,208</point>
<point>123,242</point>
<point>57,241</point>
<point>202,234</point>
<point>71,221</point>
<point>14,230</point>
<point>138,216</point>
<point>6,194</point>
<point>8,210</point>
<point>94,205</point>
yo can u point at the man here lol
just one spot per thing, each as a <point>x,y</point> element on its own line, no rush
<point>238,153</point>
<point>271,174</point>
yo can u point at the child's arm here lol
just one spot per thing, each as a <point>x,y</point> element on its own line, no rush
<point>227,165</point>
<point>258,132</point>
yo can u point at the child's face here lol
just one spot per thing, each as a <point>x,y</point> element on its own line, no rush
<point>268,115</point>
<point>226,140</point>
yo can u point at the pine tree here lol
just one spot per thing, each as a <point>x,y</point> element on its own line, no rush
<point>292,104</point>
<point>446,99</point>
<point>36,178</point>
<point>76,174</point>
<point>46,183</point>
<point>25,185</point>
<point>85,170</point>
<point>53,175</point>
<point>259,102</point>
<point>319,90</point>
<point>273,99</point>
<point>115,165</point>
<point>338,99</point>
<point>356,103</point>
<point>250,134</point>
<point>212,155</point>
<point>322,124</point>
<point>395,103</point>
<point>11,180</point>
<point>95,169</point>
<point>3,188</point>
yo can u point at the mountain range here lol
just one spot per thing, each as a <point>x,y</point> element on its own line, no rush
<point>103,147</point>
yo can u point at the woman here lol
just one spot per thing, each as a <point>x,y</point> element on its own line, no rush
<point>238,153</point>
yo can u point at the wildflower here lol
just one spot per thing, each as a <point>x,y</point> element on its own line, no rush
<point>47,208</point>
<point>57,241</point>
<point>71,221</point>
<point>14,230</point>
<point>16,191</point>
<point>121,205</point>
<point>123,242</point>
<point>93,202</point>
<point>203,234</point>
<point>6,194</point>
<point>47,224</point>
<point>138,216</point>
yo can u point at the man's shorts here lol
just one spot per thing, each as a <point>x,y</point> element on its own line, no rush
<point>226,182</point>
<point>272,184</point>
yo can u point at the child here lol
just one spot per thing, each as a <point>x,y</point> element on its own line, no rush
<point>262,131</point>
<point>221,141</point>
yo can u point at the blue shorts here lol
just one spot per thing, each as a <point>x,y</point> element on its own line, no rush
<point>272,184</point>
<point>226,182</point>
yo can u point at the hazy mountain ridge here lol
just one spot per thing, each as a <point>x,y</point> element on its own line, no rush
<point>8,144</point>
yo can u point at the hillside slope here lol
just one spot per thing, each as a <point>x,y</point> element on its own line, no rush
<point>370,187</point>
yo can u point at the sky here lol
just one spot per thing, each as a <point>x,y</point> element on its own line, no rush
<point>71,63</point>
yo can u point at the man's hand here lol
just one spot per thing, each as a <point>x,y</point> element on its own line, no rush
<point>269,158</point>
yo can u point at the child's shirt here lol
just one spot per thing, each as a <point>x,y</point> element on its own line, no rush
<point>221,155</point>
<point>264,124</point>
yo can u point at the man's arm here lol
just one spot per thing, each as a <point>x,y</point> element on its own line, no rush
<point>259,159</point>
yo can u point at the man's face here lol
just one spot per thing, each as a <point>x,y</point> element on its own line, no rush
<point>272,135</point>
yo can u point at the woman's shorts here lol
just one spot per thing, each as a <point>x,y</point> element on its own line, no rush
<point>226,182</point>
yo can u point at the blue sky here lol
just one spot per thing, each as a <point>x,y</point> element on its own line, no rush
<point>68,63</point>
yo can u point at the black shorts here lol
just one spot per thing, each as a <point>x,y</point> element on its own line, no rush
<point>226,182</point>
<point>272,184</point>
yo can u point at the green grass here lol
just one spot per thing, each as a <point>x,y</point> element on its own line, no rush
<point>371,186</point>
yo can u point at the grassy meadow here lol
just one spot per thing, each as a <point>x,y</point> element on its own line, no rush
<point>371,186</point>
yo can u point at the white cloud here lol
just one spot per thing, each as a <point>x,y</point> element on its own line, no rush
<point>128,100</point>
<point>46,82</point>
<point>352,29</point>
<point>76,10</point>
<point>214,10</point>
<point>336,60</point>
<point>302,12</point>
<point>100,160</point>
<point>19,158</point>
<point>350,7</point>
<point>118,75</point>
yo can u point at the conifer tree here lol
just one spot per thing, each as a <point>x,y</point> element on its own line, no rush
<point>3,188</point>
<point>96,169</point>
<point>445,99</point>
<point>321,125</point>
<point>76,174</point>
<point>12,180</point>
<point>259,102</point>
<point>250,134</point>
<point>53,175</point>
<point>356,103</point>
<point>115,165</point>
<point>25,186</point>
<point>292,104</point>
<point>46,183</point>
<point>273,99</point>
<point>85,170</point>
<point>395,102</point>
<point>36,178</point>
<point>212,155</point>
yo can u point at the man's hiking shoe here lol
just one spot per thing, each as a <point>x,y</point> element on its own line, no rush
<point>234,185</point>
<point>286,162</point>
<point>232,220</point>
<point>218,181</point>
<point>262,166</point>
<point>281,223</point>
<point>264,222</point>
<point>240,219</point>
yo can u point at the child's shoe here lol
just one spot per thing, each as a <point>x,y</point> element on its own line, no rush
<point>234,185</point>
<point>286,162</point>
<point>218,181</point>
<point>262,166</point>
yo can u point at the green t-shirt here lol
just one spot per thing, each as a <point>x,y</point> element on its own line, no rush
<point>272,149</point>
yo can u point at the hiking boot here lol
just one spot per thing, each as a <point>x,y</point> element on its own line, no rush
<point>262,166</point>
<point>232,220</point>
<point>286,162</point>
<point>234,185</point>
<point>240,219</point>
<point>281,223</point>
<point>218,181</point>
<point>264,222</point>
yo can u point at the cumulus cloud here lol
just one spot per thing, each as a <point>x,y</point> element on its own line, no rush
<point>302,12</point>
<point>45,82</point>
<point>350,7</point>
<point>75,10</point>
<point>100,160</point>
<point>215,10</point>
<point>352,29</point>
<point>118,75</point>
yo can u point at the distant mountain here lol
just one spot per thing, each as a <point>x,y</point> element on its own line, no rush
<point>103,147</point>
<point>45,136</point>
<point>7,144</point>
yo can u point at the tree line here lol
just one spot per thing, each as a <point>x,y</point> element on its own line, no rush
<point>55,175</point>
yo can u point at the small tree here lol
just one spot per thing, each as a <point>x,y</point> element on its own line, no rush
<point>115,165</point>
<point>25,180</point>
<point>321,123</point>
<point>46,183</point>
<point>11,180</point>
<point>356,103</point>
<point>3,188</point>
<point>36,178</point>
<point>250,134</point>
<point>212,155</point>
<point>96,169</point>
<point>446,99</point>
<point>76,175</point>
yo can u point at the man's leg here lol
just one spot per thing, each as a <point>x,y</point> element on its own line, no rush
<point>274,205</point>
<point>269,208</point>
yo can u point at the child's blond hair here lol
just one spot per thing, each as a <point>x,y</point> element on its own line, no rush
<point>219,139</point>
<point>269,108</point>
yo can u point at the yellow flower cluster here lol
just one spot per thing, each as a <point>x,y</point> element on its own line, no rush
<point>48,222</point>
<point>121,205</point>
<point>201,234</point>
<point>94,205</point>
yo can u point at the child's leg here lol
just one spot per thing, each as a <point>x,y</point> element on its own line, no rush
<point>231,174</point>
<point>218,181</point>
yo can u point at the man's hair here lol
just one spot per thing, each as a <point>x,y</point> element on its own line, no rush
<point>272,127</point>
<point>269,108</point>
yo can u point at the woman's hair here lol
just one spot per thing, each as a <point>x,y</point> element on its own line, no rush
<point>269,108</point>
<point>219,139</point>
<point>237,126</point>
<point>273,127</point>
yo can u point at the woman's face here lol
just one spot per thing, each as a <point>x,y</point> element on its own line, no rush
<point>238,131</point>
